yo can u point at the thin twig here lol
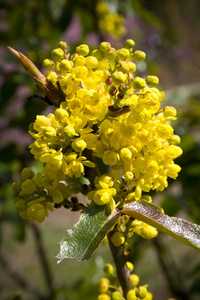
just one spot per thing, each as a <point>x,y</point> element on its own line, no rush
<point>123,272</point>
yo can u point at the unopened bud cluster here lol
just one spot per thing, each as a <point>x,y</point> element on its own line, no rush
<point>109,287</point>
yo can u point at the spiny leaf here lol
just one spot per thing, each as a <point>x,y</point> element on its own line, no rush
<point>182,230</point>
<point>86,235</point>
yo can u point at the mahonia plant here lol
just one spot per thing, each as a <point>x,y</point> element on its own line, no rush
<point>108,22</point>
<point>108,139</point>
<point>105,112</point>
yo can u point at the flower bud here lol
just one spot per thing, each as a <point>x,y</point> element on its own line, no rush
<point>125,154</point>
<point>49,131</point>
<point>123,54</point>
<point>117,296</point>
<point>139,55</point>
<point>108,269</point>
<point>91,62</point>
<point>129,43</point>
<point>139,83</point>
<point>28,186</point>
<point>103,285</point>
<point>111,53</point>
<point>17,186</point>
<point>62,45</point>
<point>48,64</point>
<point>131,67</point>
<point>134,280</point>
<point>169,111</point>
<point>118,239</point>
<point>68,132</point>
<point>152,81</point>
<point>79,145</point>
<point>104,47</point>
<point>27,173</point>
<point>141,292</point>
<point>57,54</point>
<point>20,205</point>
<point>65,65</point>
<point>103,297</point>
<point>98,54</point>
<point>128,176</point>
<point>119,77</point>
<point>82,50</point>
<point>131,295</point>
<point>110,158</point>
<point>61,114</point>
<point>130,266</point>
<point>175,140</point>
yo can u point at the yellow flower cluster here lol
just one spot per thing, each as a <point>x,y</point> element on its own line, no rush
<point>107,112</point>
<point>109,287</point>
<point>111,23</point>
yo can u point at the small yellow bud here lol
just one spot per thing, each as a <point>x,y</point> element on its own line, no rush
<point>48,64</point>
<point>104,47</point>
<point>131,295</point>
<point>110,158</point>
<point>103,285</point>
<point>57,54</point>
<point>175,140</point>
<point>108,269</point>
<point>130,266</point>
<point>20,205</point>
<point>152,81</point>
<point>125,154</point>
<point>134,280</point>
<point>61,114</point>
<point>128,176</point>
<point>27,173</point>
<point>28,186</point>
<point>91,62</point>
<point>130,197</point>
<point>131,67</point>
<point>119,77</point>
<point>139,55</point>
<point>123,66</point>
<point>103,297</point>
<point>139,83</point>
<point>111,53</point>
<point>116,296</point>
<point>149,296</point>
<point>141,292</point>
<point>169,111</point>
<point>118,239</point>
<point>148,232</point>
<point>17,186</point>
<point>79,145</point>
<point>62,45</point>
<point>123,53</point>
<point>98,54</point>
<point>82,50</point>
<point>68,132</point>
<point>129,43</point>
<point>49,131</point>
<point>65,65</point>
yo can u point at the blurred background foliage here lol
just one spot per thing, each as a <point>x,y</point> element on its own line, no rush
<point>168,31</point>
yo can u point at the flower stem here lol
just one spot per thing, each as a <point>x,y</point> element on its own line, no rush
<point>123,273</point>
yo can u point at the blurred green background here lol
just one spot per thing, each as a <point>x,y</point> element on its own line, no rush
<point>168,31</point>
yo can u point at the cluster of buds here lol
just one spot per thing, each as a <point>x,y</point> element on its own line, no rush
<point>111,23</point>
<point>109,287</point>
<point>103,112</point>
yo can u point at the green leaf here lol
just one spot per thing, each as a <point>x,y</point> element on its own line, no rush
<point>182,230</point>
<point>86,235</point>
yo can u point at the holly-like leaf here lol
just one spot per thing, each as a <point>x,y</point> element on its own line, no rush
<point>86,235</point>
<point>182,230</point>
